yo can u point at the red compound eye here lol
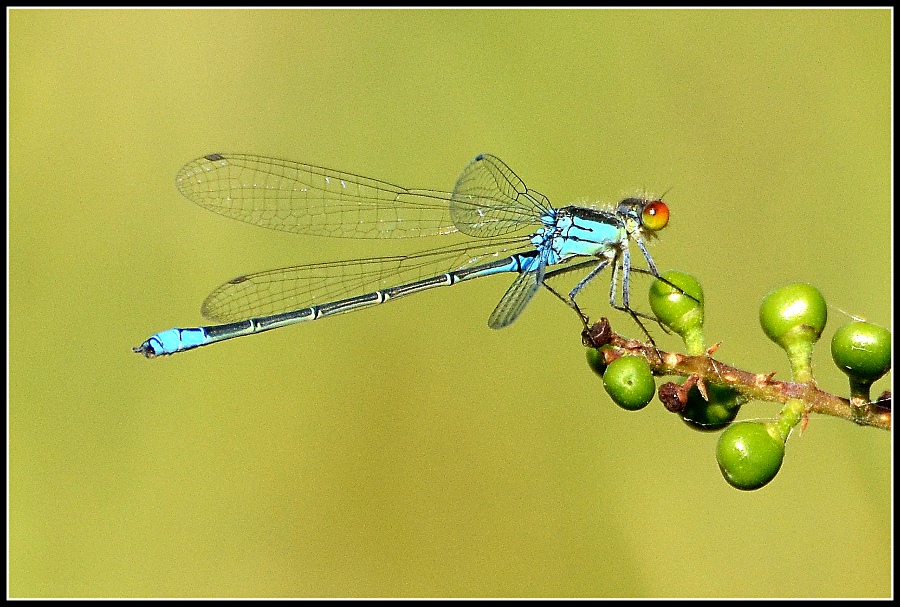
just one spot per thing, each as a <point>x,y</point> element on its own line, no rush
<point>655,215</point>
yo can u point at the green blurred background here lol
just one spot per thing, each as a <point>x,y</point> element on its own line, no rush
<point>410,450</point>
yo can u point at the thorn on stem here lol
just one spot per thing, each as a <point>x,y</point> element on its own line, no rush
<point>701,386</point>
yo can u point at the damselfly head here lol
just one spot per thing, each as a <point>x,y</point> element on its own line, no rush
<point>651,214</point>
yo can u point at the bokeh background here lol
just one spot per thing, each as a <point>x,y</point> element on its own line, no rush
<point>410,450</point>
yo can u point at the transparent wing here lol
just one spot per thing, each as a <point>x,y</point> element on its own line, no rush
<point>517,297</point>
<point>297,287</point>
<point>307,199</point>
<point>490,200</point>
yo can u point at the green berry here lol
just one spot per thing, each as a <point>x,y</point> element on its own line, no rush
<point>750,454</point>
<point>793,316</point>
<point>629,382</point>
<point>596,361</point>
<point>862,351</point>
<point>794,308</point>
<point>681,308</point>
<point>716,413</point>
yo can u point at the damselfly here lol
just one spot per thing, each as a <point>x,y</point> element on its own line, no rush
<point>489,203</point>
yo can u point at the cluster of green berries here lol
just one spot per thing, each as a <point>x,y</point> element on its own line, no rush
<point>749,453</point>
